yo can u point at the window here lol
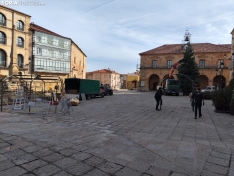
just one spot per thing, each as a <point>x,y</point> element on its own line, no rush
<point>74,60</point>
<point>20,42</point>
<point>154,64</point>
<point>2,38</point>
<point>20,25</point>
<point>219,62</point>
<point>2,58</point>
<point>202,64</point>
<point>2,20</point>
<point>20,61</point>
<point>169,63</point>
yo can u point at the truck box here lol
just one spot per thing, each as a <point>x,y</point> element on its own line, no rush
<point>89,88</point>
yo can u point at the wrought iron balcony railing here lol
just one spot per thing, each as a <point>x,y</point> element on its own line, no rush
<point>168,67</point>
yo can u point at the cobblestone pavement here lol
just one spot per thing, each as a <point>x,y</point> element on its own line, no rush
<point>119,135</point>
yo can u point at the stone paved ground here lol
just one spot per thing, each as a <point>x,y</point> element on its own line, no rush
<point>119,135</point>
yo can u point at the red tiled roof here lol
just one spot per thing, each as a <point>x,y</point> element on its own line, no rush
<point>197,48</point>
<point>104,71</point>
<point>35,27</point>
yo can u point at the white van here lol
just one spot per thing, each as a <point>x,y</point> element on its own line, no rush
<point>208,89</point>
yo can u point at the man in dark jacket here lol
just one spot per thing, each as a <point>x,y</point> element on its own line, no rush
<point>198,98</point>
<point>158,97</point>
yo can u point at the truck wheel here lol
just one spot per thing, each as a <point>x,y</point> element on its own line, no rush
<point>177,94</point>
<point>88,97</point>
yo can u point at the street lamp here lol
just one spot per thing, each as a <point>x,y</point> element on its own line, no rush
<point>216,81</point>
<point>220,67</point>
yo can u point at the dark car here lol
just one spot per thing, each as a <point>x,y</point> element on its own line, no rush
<point>107,90</point>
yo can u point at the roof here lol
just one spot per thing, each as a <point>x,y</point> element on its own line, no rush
<point>197,48</point>
<point>7,8</point>
<point>35,27</point>
<point>103,71</point>
<point>232,31</point>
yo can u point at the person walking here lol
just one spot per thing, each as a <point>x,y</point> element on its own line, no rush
<point>158,97</point>
<point>198,99</point>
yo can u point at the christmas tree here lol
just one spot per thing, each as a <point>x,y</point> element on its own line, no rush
<point>188,68</point>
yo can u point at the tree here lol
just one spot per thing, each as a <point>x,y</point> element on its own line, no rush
<point>188,68</point>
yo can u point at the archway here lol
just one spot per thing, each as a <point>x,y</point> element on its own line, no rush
<point>153,82</point>
<point>219,81</point>
<point>203,80</point>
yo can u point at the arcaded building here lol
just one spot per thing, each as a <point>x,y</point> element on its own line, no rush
<point>231,64</point>
<point>156,63</point>
<point>14,42</point>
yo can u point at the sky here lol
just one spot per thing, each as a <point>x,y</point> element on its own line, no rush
<point>112,33</point>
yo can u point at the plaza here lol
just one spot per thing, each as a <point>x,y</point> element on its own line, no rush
<point>120,135</point>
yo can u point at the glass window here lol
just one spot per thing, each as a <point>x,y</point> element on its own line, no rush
<point>20,42</point>
<point>202,64</point>
<point>154,64</point>
<point>20,25</point>
<point>169,63</point>
<point>2,20</point>
<point>2,38</point>
<point>2,58</point>
<point>219,62</point>
<point>20,61</point>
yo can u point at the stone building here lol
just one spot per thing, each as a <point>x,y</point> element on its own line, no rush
<point>156,63</point>
<point>105,76</point>
<point>78,62</point>
<point>14,41</point>
<point>132,80</point>
<point>231,64</point>
<point>28,49</point>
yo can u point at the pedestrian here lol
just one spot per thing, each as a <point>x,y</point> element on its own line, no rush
<point>192,99</point>
<point>158,97</point>
<point>198,99</point>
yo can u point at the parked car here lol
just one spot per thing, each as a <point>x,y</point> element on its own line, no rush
<point>107,90</point>
<point>208,89</point>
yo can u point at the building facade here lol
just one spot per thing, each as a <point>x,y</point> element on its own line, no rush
<point>14,41</point>
<point>78,62</point>
<point>156,63</point>
<point>132,80</point>
<point>231,64</point>
<point>105,76</point>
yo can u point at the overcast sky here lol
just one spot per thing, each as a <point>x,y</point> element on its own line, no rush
<point>112,33</point>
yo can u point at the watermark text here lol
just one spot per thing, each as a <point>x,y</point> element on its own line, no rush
<point>22,3</point>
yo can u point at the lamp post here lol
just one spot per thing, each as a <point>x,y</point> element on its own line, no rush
<point>221,71</point>
<point>216,81</point>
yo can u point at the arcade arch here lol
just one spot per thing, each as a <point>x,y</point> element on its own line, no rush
<point>203,80</point>
<point>219,81</point>
<point>154,81</point>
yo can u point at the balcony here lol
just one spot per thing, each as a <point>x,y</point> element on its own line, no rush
<point>231,64</point>
<point>168,67</point>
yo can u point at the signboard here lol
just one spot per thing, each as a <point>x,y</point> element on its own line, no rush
<point>142,83</point>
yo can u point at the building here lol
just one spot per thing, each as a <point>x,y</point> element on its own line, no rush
<point>123,83</point>
<point>105,76</point>
<point>156,63</point>
<point>14,41</point>
<point>132,80</point>
<point>231,64</point>
<point>28,49</point>
<point>78,62</point>
<point>55,55</point>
